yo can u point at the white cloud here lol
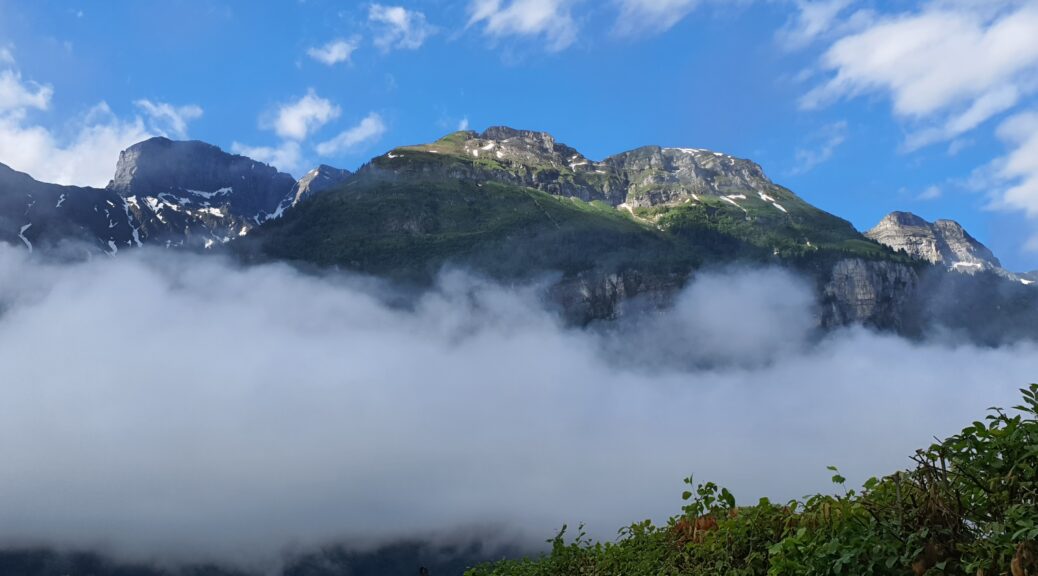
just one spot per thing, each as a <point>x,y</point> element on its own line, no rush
<point>307,427</point>
<point>828,139</point>
<point>6,57</point>
<point>1020,167</point>
<point>286,157</point>
<point>296,120</point>
<point>552,19</point>
<point>990,104</point>
<point>398,27</point>
<point>369,129</point>
<point>463,124</point>
<point>931,193</point>
<point>87,158</point>
<point>340,50</point>
<point>17,95</point>
<point>652,16</point>
<point>954,64</point>
<point>83,152</point>
<point>169,119</point>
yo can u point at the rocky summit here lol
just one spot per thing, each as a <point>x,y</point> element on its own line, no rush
<point>942,242</point>
<point>193,192</point>
<point>318,180</point>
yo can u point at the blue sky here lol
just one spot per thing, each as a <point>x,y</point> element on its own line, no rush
<point>862,107</point>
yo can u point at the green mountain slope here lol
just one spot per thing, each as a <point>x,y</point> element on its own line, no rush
<point>515,204</point>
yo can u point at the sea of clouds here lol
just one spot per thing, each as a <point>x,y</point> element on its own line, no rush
<point>185,408</point>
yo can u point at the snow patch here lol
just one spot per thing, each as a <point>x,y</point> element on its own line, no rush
<point>115,249</point>
<point>60,201</point>
<point>765,197</point>
<point>208,195</point>
<point>21,234</point>
<point>217,212</point>
<point>779,206</point>
<point>1026,282</point>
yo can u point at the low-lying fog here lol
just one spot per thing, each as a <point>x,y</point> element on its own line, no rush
<point>180,407</point>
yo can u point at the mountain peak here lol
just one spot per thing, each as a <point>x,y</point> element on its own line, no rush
<point>318,180</point>
<point>160,165</point>
<point>943,242</point>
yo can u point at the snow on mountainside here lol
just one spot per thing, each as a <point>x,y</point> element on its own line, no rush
<point>163,192</point>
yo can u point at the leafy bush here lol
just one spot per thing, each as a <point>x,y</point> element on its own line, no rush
<point>969,506</point>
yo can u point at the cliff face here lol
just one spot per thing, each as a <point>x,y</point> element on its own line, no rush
<point>873,293</point>
<point>943,242</point>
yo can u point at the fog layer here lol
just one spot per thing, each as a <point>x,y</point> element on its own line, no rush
<point>181,407</point>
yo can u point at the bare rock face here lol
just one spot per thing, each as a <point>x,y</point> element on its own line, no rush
<point>654,175</point>
<point>943,242</point>
<point>875,293</point>
<point>318,180</point>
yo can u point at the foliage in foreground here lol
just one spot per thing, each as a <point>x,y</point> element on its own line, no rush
<point>968,507</point>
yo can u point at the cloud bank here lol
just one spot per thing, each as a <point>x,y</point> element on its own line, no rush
<point>183,408</point>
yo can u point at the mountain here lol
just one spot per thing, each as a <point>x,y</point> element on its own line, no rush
<point>608,238</point>
<point>625,232</point>
<point>517,204</point>
<point>163,193</point>
<point>690,205</point>
<point>194,193</point>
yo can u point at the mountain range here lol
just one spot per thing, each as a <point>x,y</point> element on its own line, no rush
<point>611,236</point>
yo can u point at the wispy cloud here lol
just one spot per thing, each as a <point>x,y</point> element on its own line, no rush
<point>398,28</point>
<point>551,20</point>
<point>651,16</point>
<point>334,52</point>
<point>169,119</point>
<point>369,129</point>
<point>931,193</point>
<point>825,143</point>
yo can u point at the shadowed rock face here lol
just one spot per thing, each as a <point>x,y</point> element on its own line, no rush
<point>943,242</point>
<point>161,165</point>
<point>43,216</point>
<point>193,193</point>
<point>163,193</point>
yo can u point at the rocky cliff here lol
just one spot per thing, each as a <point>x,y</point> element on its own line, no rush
<point>943,242</point>
<point>193,193</point>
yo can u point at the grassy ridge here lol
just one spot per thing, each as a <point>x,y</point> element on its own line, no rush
<point>968,507</point>
<point>411,229</point>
